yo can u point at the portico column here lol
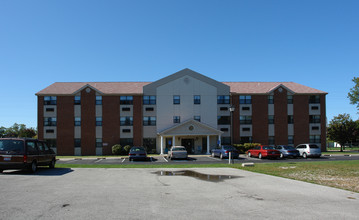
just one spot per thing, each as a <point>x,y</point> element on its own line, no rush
<point>161,144</point>
<point>173,140</point>
<point>207,144</point>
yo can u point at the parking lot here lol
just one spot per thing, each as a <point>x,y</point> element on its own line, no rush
<point>198,159</point>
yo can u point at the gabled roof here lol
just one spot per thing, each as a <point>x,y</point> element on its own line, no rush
<point>198,129</point>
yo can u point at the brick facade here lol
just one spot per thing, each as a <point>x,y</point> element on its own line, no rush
<point>137,121</point>
<point>65,125</point>
<point>281,116</point>
<point>301,119</point>
<point>260,119</point>
<point>40,117</point>
<point>111,123</point>
<point>88,122</point>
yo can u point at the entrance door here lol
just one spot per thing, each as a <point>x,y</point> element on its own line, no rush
<point>188,144</point>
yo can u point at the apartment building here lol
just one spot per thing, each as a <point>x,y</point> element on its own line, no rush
<point>185,108</point>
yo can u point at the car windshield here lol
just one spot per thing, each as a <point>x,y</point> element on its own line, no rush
<point>313,146</point>
<point>268,148</point>
<point>12,146</point>
<point>228,148</point>
<point>178,149</point>
<point>137,149</point>
<point>288,147</point>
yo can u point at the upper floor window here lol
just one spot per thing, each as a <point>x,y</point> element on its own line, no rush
<point>50,121</point>
<point>290,139</point>
<point>126,121</point>
<point>197,99</point>
<point>176,99</point>
<point>149,121</point>
<point>271,140</point>
<point>223,99</point>
<point>270,99</point>
<point>224,120</point>
<point>245,119</point>
<point>245,99</point>
<point>149,100</point>
<point>77,142</point>
<point>50,100</point>
<point>270,119</point>
<point>126,100</point>
<point>98,100</point>
<point>98,121</point>
<point>290,99</point>
<point>314,118</point>
<point>77,100</point>
<point>290,119</point>
<point>98,142</point>
<point>176,119</point>
<point>197,118</point>
<point>77,121</point>
<point>313,99</point>
<point>314,139</point>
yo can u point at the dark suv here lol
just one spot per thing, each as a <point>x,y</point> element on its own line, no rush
<point>24,153</point>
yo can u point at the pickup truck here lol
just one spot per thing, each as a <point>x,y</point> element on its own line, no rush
<point>223,152</point>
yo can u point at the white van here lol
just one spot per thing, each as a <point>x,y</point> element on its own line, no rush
<point>309,150</point>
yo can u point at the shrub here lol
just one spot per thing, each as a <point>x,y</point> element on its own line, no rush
<point>126,149</point>
<point>116,149</point>
<point>243,148</point>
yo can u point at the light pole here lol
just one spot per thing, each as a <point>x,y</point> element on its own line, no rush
<point>232,109</point>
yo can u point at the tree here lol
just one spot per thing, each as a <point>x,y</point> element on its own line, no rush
<point>18,130</point>
<point>353,95</point>
<point>342,129</point>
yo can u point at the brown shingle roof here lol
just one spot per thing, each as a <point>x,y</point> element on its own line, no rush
<point>117,88</point>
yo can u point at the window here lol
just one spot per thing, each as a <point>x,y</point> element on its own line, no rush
<point>149,121</point>
<point>32,148</point>
<point>245,119</point>
<point>315,128</point>
<point>126,121</point>
<point>197,118</point>
<point>77,121</point>
<point>126,141</point>
<point>176,119</point>
<point>197,99</point>
<point>224,129</point>
<point>314,139</point>
<point>270,119</point>
<point>223,108</point>
<point>290,119</point>
<point>126,130</point>
<point>149,100</point>
<point>50,131</point>
<point>77,142</point>
<point>246,140</point>
<point>290,99</point>
<point>271,140</point>
<point>98,121</point>
<point>315,107</point>
<point>98,100</point>
<point>224,120</point>
<point>126,100</point>
<point>150,145</point>
<point>245,99</point>
<point>246,129</point>
<point>246,108</point>
<point>50,100</point>
<point>49,121</point>
<point>223,99</point>
<point>98,142</point>
<point>51,143</point>
<point>314,118</point>
<point>77,100</point>
<point>176,99</point>
<point>290,139</point>
<point>126,109</point>
<point>50,109</point>
<point>270,99</point>
<point>314,99</point>
<point>150,109</point>
<point>226,140</point>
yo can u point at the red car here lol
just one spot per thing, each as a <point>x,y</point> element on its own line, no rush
<point>264,151</point>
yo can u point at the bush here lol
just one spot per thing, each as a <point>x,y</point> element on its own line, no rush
<point>116,149</point>
<point>243,148</point>
<point>126,149</point>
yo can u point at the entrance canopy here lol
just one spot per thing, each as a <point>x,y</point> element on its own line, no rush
<point>190,128</point>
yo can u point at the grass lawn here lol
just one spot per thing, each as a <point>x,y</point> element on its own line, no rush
<point>339,174</point>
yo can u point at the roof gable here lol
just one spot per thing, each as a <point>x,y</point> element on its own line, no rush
<point>191,127</point>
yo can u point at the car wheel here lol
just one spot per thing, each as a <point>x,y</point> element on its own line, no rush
<point>304,155</point>
<point>33,167</point>
<point>212,154</point>
<point>281,155</point>
<point>221,156</point>
<point>260,156</point>
<point>249,154</point>
<point>52,164</point>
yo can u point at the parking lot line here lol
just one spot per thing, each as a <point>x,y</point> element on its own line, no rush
<point>165,159</point>
<point>97,161</point>
<point>123,160</point>
<point>215,158</point>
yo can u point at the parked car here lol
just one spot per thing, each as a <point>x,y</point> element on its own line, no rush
<point>177,152</point>
<point>137,153</point>
<point>309,150</point>
<point>223,152</point>
<point>287,151</point>
<point>24,153</point>
<point>264,151</point>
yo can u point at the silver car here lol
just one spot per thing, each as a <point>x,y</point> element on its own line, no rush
<point>177,152</point>
<point>309,150</point>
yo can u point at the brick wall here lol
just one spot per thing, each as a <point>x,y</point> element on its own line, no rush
<point>137,121</point>
<point>88,122</point>
<point>260,119</point>
<point>110,122</point>
<point>65,125</point>
<point>323,122</point>
<point>301,119</point>
<point>40,117</point>
<point>280,117</point>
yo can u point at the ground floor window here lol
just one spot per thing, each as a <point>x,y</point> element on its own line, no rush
<point>226,140</point>
<point>126,141</point>
<point>51,143</point>
<point>150,145</point>
<point>246,140</point>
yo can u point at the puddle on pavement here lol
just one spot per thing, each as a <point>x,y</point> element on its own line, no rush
<point>201,176</point>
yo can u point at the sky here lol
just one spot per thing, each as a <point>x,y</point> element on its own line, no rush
<point>311,42</point>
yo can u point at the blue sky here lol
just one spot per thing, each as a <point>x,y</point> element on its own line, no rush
<point>311,42</point>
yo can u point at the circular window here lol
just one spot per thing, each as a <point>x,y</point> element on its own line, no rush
<point>88,90</point>
<point>191,128</point>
